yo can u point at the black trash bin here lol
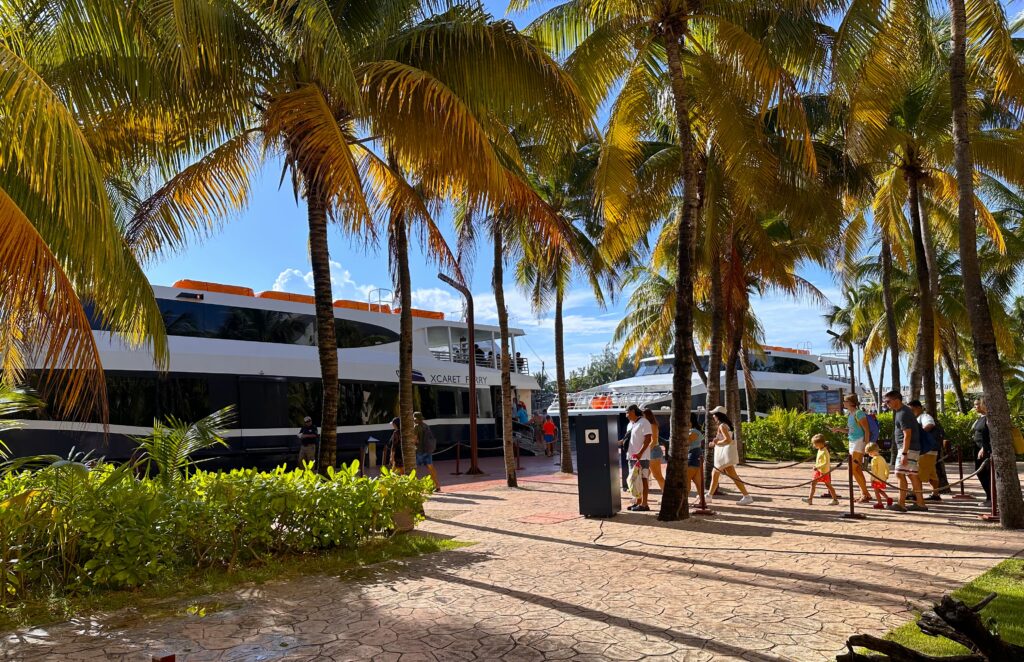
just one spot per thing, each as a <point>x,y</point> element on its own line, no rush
<point>597,457</point>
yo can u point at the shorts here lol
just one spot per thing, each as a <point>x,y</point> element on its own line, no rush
<point>657,452</point>
<point>694,457</point>
<point>549,439</point>
<point>823,478</point>
<point>926,467</point>
<point>307,453</point>
<point>911,465</point>
<point>645,468</point>
<point>878,485</point>
<point>423,459</point>
<point>857,446</point>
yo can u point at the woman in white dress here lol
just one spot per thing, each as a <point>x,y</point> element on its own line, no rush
<point>726,456</point>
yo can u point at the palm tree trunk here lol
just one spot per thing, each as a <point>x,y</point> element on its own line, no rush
<point>867,369</point>
<point>498,283</point>
<point>326,341</point>
<point>717,324</point>
<point>954,377</point>
<point>925,361</point>
<point>674,502</point>
<point>748,385</point>
<point>881,379</point>
<point>563,395</point>
<point>892,333</point>
<point>697,365</point>
<point>406,404</point>
<point>732,384</point>
<point>982,333</point>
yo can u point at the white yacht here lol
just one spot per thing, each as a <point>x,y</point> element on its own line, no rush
<point>783,377</point>
<point>230,346</point>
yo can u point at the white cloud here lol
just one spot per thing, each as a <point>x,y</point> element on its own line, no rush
<point>294,280</point>
<point>285,280</point>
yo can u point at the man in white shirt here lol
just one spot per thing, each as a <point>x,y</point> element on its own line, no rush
<point>640,438</point>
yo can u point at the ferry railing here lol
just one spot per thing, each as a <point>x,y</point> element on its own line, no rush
<point>522,365</point>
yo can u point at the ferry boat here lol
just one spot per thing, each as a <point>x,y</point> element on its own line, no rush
<point>231,346</point>
<point>783,377</point>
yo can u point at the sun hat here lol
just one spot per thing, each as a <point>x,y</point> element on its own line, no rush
<point>719,410</point>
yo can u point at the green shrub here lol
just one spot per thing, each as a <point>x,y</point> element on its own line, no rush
<point>69,526</point>
<point>785,434</point>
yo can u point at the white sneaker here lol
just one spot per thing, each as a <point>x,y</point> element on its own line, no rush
<point>746,501</point>
<point>707,497</point>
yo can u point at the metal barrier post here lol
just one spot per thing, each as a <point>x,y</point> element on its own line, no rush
<point>960,468</point>
<point>993,514</point>
<point>849,478</point>
<point>458,458</point>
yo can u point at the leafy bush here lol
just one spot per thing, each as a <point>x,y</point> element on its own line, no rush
<point>786,434</point>
<point>71,526</point>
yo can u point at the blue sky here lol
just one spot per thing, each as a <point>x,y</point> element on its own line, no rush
<point>266,248</point>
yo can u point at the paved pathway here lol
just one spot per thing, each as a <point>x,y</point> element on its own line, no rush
<point>774,581</point>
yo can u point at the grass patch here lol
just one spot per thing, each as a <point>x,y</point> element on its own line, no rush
<point>187,592</point>
<point>1005,580</point>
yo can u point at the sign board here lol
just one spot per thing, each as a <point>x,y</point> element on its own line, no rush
<point>825,402</point>
<point>592,436</point>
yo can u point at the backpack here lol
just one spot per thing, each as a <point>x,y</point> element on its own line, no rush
<point>428,443</point>
<point>876,433</point>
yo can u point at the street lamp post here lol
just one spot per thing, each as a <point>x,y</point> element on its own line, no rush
<point>474,468</point>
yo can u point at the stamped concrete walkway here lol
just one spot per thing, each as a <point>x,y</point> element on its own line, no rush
<point>774,581</point>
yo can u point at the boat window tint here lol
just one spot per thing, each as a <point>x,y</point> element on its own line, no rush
<point>132,399</point>
<point>305,398</point>
<point>782,364</point>
<point>380,402</point>
<point>185,398</point>
<point>425,399</point>
<point>204,320</point>
<point>446,403</point>
<point>664,369</point>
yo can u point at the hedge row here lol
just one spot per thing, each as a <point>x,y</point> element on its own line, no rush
<point>70,526</point>
<point>786,434</point>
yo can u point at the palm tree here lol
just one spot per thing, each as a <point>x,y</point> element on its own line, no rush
<point>60,243</point>
<point>546,271</point>
<point>702,54</point>
<point>333,87</point>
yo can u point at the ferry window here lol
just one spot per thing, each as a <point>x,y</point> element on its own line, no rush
<point>350,404</point>
<point>132,399</point>
<point>184,398</point>
<point>646,369</point>
<point>446,403</point>
<point>426,401</point>
<point>380,403</point>
<point>182,318</point>
<point>782,364</point>
<point>484,405</point>
<point>663,369</point>
<point>768,399</point>
<point>263,402</point>
<point>256,325</point>
<point>794,399</point>
<point>305,398</point>
<point>360,334</point>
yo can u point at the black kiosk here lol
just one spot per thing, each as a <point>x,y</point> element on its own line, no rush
<point>597,456</point>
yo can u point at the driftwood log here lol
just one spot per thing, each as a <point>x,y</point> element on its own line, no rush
<point>951,619</point>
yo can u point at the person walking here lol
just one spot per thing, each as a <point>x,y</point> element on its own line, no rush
<point>822,470</point>
<point>425,447</point>
<point>640,441</point>
<point>309,439</point>
<point>726,456</point>
<point>880,474</point>
<point>393,451</point>
<point>931,446</point>
<point>550,431</point>
<point>694,455</point>
<point>657,450</point>
<point>983,441</point>
<point>858,433</point>
<point>908,442</point>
